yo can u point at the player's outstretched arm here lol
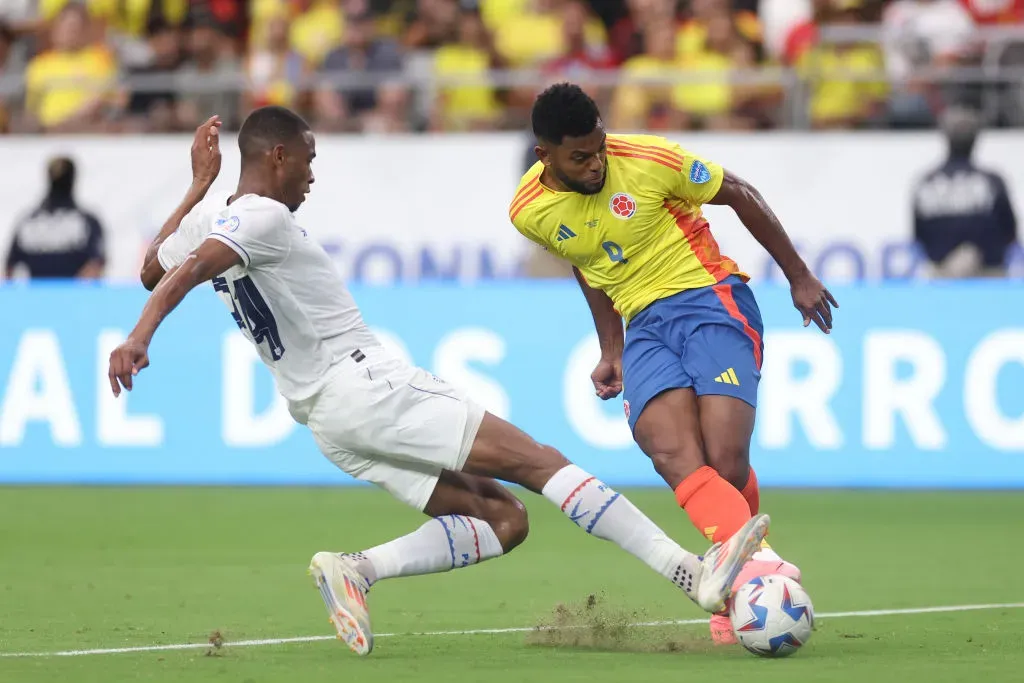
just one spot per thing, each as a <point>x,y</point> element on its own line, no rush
<point>607,377</point>
<point>205,168</point>
<point>809,296</point>
<point>208,261</point>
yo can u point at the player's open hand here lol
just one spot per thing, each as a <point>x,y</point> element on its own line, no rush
<point>812,300</point>
<point>125,362</point>
<point>206,152</point>
<point>607,378</point>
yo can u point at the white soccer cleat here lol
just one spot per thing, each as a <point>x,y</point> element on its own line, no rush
<point>344,590</point>
<point>723,562</point>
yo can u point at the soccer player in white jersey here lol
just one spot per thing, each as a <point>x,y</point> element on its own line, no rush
<point>377,418</point>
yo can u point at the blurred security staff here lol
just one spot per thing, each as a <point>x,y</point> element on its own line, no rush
<point>963,219</point>
<point>57,239</point>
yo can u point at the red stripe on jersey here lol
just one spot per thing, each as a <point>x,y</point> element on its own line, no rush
<point>667,154</point>
<point>618,152</point>
<point>702,243</point>
<point>523,193</point>
<point>724,293</point>
<point>526,189</point>
<point>525,197</point>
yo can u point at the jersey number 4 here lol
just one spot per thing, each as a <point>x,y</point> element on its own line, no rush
<point>251,312</point>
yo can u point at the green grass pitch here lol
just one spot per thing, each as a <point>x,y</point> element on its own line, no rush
<point>84,568</point>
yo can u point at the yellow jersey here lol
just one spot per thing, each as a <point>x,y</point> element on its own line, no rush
<point>58,85</point>
<point>643,237</point>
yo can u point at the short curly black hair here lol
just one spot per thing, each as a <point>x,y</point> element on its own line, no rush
<point>564,110</point>
<point>269,126</point>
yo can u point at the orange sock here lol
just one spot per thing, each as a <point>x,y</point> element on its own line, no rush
<point>751,493</point>
<point>715,507</point>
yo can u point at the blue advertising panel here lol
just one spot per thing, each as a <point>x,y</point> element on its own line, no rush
<point>920,385</point>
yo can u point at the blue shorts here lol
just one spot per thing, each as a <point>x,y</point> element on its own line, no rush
<point>709,339</point>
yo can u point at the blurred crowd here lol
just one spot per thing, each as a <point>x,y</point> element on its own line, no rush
<point>458,65</point>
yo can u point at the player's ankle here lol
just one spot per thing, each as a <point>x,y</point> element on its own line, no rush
<point>364,565</point>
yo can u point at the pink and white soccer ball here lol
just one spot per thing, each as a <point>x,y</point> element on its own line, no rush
<point>772,616</point>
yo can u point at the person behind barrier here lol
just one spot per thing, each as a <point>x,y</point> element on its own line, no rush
<point>58,239</point>
<point>963,219</point>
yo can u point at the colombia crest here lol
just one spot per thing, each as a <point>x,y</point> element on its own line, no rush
<point>622,205</point>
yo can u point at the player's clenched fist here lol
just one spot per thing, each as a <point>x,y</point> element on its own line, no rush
<point>125,362</point>
<point>607,378</point>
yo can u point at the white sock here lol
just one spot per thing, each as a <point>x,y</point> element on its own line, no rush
<point>441,544</point>
<point>600,511</point>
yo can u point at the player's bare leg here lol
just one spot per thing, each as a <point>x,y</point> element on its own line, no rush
<point>669,432</point>
<point>727,426</point>
<point>701,448</point>
<point>503,451</point>
<point>473,519</point>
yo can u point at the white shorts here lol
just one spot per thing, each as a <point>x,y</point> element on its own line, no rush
<point>395,425</point>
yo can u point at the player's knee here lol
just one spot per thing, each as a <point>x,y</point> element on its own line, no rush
<point>510,523</point>
<point>732,462</point>
<point>675,456</point>
<point>674,466</point>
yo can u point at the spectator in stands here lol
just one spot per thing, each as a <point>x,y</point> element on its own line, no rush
<point>71,86</point>
<point>434,23</point>
<point>579,57</point>
<point>467,107</point>
<point>920,34</point>
<point>994,12</point>
<point>368,55</point>
<point>273,68</point>
<point>138,18</point>
<point>837,100</point>
<point>793,41</point>
<point>207,75</point>
<point>780,19</point>
<point>580,51</point>
<point>648,106</point>
<point>532,37</point>
<point>7,102</point>
<point>963,218</point>
<point>720,104</point>
<point>154,108</point>
<point>626,37</point>
<point>318,29</point>
<point>232,17</point>
<point>692,36</point>
<point>57,239</point>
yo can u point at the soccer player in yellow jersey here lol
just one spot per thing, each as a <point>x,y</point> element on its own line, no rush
<point>625,210</point>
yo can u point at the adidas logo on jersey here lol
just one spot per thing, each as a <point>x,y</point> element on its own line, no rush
<point>728,377</point>
<point>564,233</point>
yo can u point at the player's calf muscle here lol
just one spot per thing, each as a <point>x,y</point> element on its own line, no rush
<point>727,425</point>
<point>503,451</point>
<point>732,462</point>
<point>460,493</point>
<point>675,454</point>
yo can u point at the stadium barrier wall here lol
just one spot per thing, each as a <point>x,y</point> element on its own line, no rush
<point>844,197</point>
<point>918,386</point>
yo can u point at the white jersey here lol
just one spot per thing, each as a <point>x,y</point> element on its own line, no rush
<point>287,296</point>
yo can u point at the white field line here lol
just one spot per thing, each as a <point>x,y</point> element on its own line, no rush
<point>490,631</point>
